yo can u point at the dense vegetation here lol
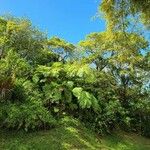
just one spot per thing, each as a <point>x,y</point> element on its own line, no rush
<point>104,80</point>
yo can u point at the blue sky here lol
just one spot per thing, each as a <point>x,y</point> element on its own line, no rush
<point>68,19</point>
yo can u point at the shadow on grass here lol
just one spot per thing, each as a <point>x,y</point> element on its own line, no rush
<point>126,141</point>
<point>70,135</point>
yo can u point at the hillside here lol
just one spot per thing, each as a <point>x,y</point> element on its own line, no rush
<point>70,135</point>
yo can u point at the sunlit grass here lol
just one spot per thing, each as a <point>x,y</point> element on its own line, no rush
<point>70,135</point>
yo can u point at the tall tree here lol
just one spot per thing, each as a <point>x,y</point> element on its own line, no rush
<point>119,12</point>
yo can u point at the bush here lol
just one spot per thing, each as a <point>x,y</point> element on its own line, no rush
<point>30,115</point>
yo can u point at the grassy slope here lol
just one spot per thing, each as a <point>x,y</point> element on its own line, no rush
<point>71,135</point>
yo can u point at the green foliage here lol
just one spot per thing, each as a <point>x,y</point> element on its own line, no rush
<point>52,92</point>
<point>30,115</point>
<point>25,110</point>
<point>10,68</point>
<point>106,87</point>
<point>119,13</point>
<point>80,70</point>
<point>86,100</point>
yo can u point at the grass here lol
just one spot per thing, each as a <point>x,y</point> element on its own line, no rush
<point>71,135</point>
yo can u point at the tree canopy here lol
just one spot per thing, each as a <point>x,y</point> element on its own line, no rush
<point>104,80</point>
